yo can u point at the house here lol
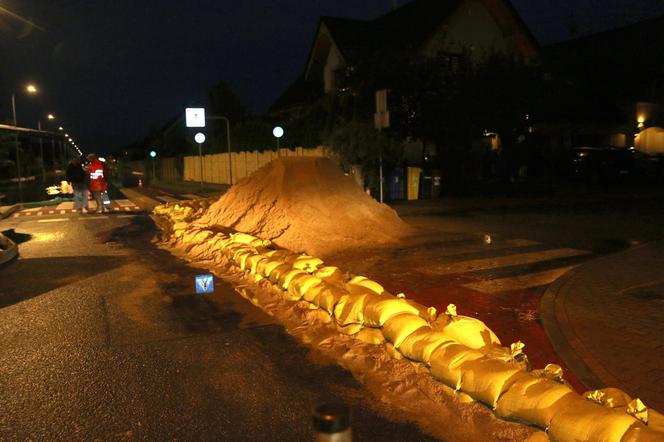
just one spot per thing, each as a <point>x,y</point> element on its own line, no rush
<point>620,74</point>
<point>459,29</point>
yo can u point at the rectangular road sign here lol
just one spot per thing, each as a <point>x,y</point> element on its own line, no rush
<point>195,116</point>
<point>205,283</point>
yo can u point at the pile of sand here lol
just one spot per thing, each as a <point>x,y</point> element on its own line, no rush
<point>306,205</point>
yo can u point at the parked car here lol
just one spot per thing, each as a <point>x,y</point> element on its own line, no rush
<point>609,165</point>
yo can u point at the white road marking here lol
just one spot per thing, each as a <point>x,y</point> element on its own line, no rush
<point>474,265</point>
<point>65,205</point>
<point>124,203</point>
<point>482,247</point>
<point>127,209</point>
<point>53,220</point>
<point>519,282</point>
<point>39,213</point>
<point>117,209</point>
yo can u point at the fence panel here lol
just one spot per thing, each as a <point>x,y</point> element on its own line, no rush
<point>215,167</point>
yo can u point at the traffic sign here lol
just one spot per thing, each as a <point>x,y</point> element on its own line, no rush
<point>195,116</point>
<point>205,283</point>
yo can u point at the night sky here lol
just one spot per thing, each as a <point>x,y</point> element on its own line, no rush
<point>113,69</point>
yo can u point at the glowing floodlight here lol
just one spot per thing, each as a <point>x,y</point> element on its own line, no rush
<point>278,132</point>
<point>199,138</point>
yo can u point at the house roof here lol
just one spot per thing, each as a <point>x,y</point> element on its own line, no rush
<point>300,92</point>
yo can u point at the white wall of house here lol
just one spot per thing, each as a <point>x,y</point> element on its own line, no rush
<point>470,28</point>
<point>334,62</point>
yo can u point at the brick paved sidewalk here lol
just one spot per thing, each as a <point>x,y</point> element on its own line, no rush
<point>606,320</point>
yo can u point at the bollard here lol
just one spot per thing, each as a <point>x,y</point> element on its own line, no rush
<point>332,423</point>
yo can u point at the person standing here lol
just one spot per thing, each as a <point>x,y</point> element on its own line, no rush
<point>76,176</point>
<point>98,186</point>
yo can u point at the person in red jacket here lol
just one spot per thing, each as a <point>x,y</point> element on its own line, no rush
<point>96,171</point>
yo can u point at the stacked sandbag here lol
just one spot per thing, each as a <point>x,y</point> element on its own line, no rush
<point>459,351</point>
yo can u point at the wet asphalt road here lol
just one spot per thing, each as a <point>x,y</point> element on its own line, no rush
<point>102,338</point>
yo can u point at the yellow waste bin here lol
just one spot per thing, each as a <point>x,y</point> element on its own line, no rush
<point>414,182</point>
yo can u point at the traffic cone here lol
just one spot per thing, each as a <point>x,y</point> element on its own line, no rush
<point>140,182</point>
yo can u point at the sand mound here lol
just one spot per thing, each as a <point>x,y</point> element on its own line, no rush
<point>305,205</point>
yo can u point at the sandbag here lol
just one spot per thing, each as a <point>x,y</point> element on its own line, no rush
<point>468,331</point>
<point>350,308</point>
<point>328,298</point>
<point>608,397</point>
<point>371,336</point>
<point>639,432</point>
<point>307,263</point>
<point>419,346</point>
<point>381,309</point>
<point>486,379</point>
<point>534,400</point>
<point>252,262</point>
<point>286,278</point>
<point>241,258</point>
<point>276,273</point>
<point>363,281</point>
<point>398,327</point>
<point>446,361</point>
<point>265,266</point>
<point>331,275</point>
<point>582,421</point>
<point>311,293</point>
<point>350,329</point>
<point>300,284</point>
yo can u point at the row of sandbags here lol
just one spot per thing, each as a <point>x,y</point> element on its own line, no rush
<point>460,351</point>
<point>183,211</point>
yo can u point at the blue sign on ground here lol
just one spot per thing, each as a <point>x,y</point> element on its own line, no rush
<point>204,284</point>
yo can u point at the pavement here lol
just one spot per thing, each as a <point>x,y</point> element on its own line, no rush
<point>605,319</point>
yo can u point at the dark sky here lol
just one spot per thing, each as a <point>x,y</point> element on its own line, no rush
<point>113,69</point>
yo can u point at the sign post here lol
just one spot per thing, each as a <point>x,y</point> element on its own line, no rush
<point>381,120</point>
<point>278,132</point>
<point>200,139</point>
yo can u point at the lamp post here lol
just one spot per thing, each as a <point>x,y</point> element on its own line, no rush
<point>153,155</point>
<point>278,132</point>
<point>200,139</point>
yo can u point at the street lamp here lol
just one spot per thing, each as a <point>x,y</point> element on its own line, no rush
<point>50,117</point>
<point>200,139</point>
<point>278,132</point>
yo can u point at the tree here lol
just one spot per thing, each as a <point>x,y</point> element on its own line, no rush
<point>223,102</point>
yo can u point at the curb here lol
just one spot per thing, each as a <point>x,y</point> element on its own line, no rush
<point>6,211</point>
<point>144,202</point>
<point>556,325</point>
<point>8,249</point>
